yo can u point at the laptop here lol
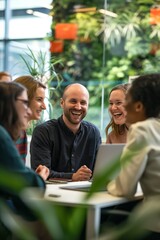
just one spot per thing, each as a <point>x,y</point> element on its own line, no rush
<point>106,168</point>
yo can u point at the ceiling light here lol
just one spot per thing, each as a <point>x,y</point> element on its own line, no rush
<point>108,13</point>
<point>37,14</point>
<point>82,9</point>
<point>29,11</point>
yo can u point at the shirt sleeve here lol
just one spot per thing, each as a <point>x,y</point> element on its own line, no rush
<point>133,162</point>
<point>10,161</point>
<point>41,152</point>
<point>40,148</point>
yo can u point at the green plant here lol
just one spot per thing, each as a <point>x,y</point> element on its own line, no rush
<point>67,224</point>
<point>43,68</point>
<point>126,25</point>
<point>129,36</point>
<point>39,67</point>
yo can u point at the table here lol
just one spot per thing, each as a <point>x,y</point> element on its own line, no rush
<point>94,205</point>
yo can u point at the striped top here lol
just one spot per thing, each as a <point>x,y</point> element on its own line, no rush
<point>21,145</point>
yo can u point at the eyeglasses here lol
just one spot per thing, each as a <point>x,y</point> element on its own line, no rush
<point>25,102</point>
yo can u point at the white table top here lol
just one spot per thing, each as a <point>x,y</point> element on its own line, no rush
<point>73,197</point>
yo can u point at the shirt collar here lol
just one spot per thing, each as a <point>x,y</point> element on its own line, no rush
<point>66,129</point>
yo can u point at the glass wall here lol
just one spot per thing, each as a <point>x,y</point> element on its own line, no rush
<point>29,19</point>
<point>26,24</point>
<point>115,40</point>
<point>20,47</point>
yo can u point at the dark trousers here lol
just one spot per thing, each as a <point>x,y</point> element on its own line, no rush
<point>114,217</point>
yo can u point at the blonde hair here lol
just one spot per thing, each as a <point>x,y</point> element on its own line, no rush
<point>31,85</point>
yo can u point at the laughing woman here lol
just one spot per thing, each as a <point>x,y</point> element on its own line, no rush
<point>118,125</point>
<point>36,96</point>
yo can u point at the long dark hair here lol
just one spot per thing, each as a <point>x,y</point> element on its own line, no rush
<point>9,92</point>
<point>119,129</point>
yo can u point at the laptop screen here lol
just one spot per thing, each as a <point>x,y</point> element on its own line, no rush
<point>107,155</point>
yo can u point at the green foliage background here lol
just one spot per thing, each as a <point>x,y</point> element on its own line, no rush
<point>126,41</point>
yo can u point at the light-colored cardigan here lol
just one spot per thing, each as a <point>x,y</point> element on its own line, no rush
<point>140,162</point>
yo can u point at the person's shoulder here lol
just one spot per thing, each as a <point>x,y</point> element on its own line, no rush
<point>145,128</point>
<point>89,125</point>
<point>111,134</point>
<point>4,135</point>
<point>146,123</point>
<point>142,133</point>
<point>151,124</point>
<point>3,131</point>
<point>112,137</point>
<point>47,124</point>
<point>153,120</point>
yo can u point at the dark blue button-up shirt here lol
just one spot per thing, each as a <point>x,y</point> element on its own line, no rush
<point>54,145</point>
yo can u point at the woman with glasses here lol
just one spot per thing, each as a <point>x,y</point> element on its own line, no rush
<point>36,96</point>
<point>116,130</point>
<point>14,115</point>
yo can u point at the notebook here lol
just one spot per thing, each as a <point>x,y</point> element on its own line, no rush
<point>107,155</point>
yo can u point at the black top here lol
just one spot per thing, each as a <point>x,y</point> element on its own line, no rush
<point>54,145</point>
